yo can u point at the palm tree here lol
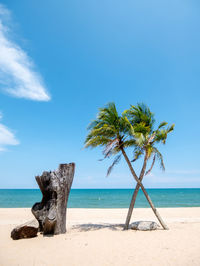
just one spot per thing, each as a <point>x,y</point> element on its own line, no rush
<point>115,133</point>
<point>146,138</point>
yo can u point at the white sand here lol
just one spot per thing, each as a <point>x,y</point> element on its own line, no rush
<point>94,237</point>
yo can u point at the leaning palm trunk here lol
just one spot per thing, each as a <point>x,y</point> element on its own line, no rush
<point>131,207</point>
<point>132,204</point>
<point>139,184</point>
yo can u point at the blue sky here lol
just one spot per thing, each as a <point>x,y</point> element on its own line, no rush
<point>62,60</point>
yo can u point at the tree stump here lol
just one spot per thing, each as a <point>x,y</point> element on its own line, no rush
<point>55,187</point>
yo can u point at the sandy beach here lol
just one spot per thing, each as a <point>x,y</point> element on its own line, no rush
<point>95,237</point>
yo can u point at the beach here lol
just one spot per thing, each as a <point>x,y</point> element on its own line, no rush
<point>96,237</point>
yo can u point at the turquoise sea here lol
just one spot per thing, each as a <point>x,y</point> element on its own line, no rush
<point>105,198</point>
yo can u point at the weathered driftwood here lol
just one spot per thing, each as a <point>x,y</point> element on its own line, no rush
<point>26,230</point>
<point>55,187</point>
<point>144,225</point>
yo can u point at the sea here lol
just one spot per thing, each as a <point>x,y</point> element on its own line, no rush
<point>105,198</point>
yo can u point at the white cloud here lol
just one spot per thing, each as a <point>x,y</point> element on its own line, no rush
<point>6,137</point>
<point>17,74</point>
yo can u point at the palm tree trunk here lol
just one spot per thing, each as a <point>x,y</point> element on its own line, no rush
<point>139,184</point>
<point>131,207</point>
<point>132,204</point>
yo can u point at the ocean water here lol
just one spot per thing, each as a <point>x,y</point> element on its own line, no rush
<point>105,198</point>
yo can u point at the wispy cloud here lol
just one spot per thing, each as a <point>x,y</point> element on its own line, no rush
<point>17,74</point>
<point>7,137</point>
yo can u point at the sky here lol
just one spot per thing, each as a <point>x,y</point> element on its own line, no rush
<point>62,60</point>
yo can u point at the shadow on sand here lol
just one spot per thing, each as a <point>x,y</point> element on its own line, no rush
<point>93,227</point>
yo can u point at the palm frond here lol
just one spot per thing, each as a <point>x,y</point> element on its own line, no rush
<point>151,138</point>
<point>129,143</point>
<point>140,139</point>
<point>162,124</point>
<point>109,130</point>
<point>137,154</point>
<point>149,171</point>
<point>116,161</point>
<point>96,141</point>
<point>149,150</point>
<point>105,130</point>
<point>109,147</point>
<point>160,158</point>
<point>140,113</point>
<point>171,128</point>
<point>161,136</point>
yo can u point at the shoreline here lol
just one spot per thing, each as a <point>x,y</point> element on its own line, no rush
<point>118,215</point>
<point>96,237</point>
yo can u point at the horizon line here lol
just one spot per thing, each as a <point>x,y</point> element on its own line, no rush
<point>115,188</point>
